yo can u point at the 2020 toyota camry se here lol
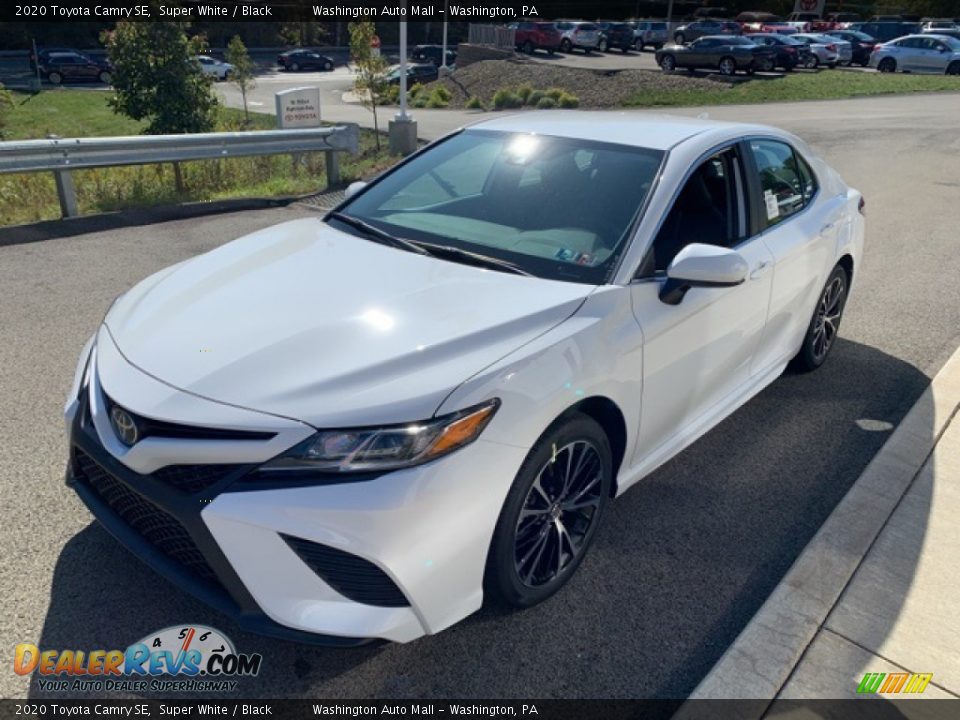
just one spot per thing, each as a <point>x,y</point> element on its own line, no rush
<point>361,425</point>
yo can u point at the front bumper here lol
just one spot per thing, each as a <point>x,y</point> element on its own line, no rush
<point>426,530</point>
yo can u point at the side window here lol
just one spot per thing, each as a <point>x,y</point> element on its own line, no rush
<point>709,209</point>
<point>807,177</point>
<point>781,181</point>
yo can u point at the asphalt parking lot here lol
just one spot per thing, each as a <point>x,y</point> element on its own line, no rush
<point>683,560</point>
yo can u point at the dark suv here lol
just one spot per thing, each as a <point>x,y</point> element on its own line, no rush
<point>59,67</point>
<point>886,31</point>
<point>702,28</point>
<point>615,36</point>
<point>529,36</point>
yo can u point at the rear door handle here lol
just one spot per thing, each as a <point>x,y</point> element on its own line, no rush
<point>760,269</point>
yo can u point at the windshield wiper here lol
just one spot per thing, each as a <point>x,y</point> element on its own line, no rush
<point>474,258</point>
<point>373,232</point>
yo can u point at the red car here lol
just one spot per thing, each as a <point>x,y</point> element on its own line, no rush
<point>529,36</point>
<point>762,22</point>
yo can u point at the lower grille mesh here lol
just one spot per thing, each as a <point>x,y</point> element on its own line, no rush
<point>156,526</point>
<point>351,576</point>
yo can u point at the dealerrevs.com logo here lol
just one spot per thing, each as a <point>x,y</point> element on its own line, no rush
<point>186,658</point>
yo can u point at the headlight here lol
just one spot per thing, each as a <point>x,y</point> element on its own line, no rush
<point>386,448</point>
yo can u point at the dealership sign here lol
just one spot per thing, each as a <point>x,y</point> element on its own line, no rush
<point>809,6</point>
<point>298,107</point>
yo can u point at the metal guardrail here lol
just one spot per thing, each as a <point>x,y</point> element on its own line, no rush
<point>62,155</point>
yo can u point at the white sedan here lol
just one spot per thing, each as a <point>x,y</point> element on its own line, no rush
<point>211,66</point>
<point>362,426</point>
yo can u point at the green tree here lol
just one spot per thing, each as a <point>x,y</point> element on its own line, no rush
<point>156,78</point>
<point>242,73</point>
<point>370,68</point>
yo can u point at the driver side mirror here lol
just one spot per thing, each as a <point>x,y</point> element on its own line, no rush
<point>353,188</point>
<point>699,265</point>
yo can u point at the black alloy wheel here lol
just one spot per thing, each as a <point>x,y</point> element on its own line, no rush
<point>822,331</point>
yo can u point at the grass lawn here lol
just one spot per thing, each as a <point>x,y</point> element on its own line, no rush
<point>85,113</point>
<point>823,85</point>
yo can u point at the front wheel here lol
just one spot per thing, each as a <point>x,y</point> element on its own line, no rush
<point>566,46</point>
<point>953,68</point>
<point>887,65</point>
<point>602,46</point>
<point>825,322</point>
<point>668,63</point>
<point>328,66</point>
<point>551,513</point>
<point>811,62</point>
<point>528,48</point>
<point>55,78</point>
<point>638,46</point>
<point>728,66</point>
<point>105,77</point>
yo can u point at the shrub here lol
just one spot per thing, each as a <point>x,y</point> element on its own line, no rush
<point>524,91</point>
<point>546,103</point>
<point>506,98</point>
<point>535,97</point>
<point>390,95</point>
<point>474,103</point>
<point>413,90</point>
<point>420,101</point>
<point>439,97</point>
<point>555,93</point>
<point>569,101</point>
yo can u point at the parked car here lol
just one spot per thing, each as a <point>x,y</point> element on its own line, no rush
<point>933,24</point>
<point>703,28</point>
<point>945,33</point>
<point>649,33</point>
<point>886,31</point>
<point>615,36</point>
<point>926,53</point>
<point>725,53</point>
<point>803,21</point>
<point>578,34</point>
<point>432,54</point>
<point>530,36</point>
<point>861,44</point>
<point>788,53</point>
<point>825,50</point>
<point>841,20</point>
<point>60,67</point>
<point>217,68</point>
<point>761,22</point>
<point>416,73</point>
<point>304,59</point>
<point>514,347</point>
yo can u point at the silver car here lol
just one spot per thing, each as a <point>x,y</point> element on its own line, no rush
<point>826,50</point>
<point>926,53</point>
<point>649,33</point>
<point>578,34</point>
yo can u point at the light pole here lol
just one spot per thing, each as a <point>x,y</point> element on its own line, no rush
<point>403,68</point>
<point>443,61</point>
<point>403,128</point>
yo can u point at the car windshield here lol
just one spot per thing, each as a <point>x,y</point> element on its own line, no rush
<point>950,42</point>
<point>557,208</point>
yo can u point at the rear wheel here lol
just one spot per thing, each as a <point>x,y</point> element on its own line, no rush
<point>551,513</point>
<point>328,66</point>
<point>811,62</point>
<point>105,77</point>
<point>294,67</point>
<point>728,66</point>
<point>638,45</point>
<point>668,63</point>
<point>602,46</point>
<point>565,45</point>
<point>887,65</point>
<point>825,322</point>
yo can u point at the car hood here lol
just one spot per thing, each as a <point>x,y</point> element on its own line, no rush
<point>308,322</point>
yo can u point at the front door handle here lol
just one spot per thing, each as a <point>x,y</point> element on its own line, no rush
<point>760,269</point>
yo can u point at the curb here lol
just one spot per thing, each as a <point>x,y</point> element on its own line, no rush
<point>761,659</point>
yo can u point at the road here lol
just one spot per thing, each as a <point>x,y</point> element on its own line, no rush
<point>683,560</point>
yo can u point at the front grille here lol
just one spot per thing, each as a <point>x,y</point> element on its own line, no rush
<point>351,576</point>
<point>192,479</point>
<point>156,526</point>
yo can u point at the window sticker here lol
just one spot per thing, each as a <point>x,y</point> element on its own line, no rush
<point>773,209</point>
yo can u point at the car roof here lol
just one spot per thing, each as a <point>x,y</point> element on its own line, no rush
<point>647,130</point>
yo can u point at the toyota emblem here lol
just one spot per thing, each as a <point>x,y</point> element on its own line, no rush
<point>124,426</point>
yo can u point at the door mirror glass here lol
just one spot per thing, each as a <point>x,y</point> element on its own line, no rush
<point>699,265</point>
<point>353,188</point>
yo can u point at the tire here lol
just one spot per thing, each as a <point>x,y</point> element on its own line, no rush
<point>953,68</point>
<point>811,62</point>
<point>822,331</point>
<point>668,63</point>
<point>55,78</point>
<point>887,65</point>
<point>728,66</point>
<point>638,46</point>
<point>328,66</point>
<point>539,540</point>
<point>294,67</point>
<point>679,38</point>
<point>528,47</point>
<point>226,75</point>
<point>104,77</point>
<point>625,49</point>
<point>602,46</point>
<point>565,45</point>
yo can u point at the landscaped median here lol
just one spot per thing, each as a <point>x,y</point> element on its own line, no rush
<point>478,85</point>
<point>32,197</point>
